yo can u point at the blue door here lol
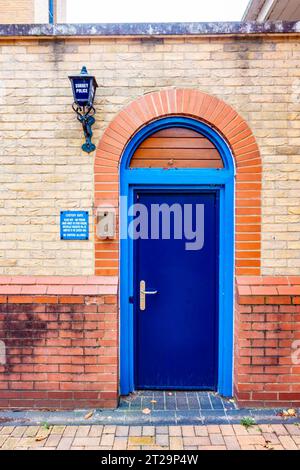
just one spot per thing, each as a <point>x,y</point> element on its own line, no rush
<point>175,301</point>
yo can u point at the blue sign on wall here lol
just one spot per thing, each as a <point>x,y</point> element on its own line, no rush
<point>74,225</point>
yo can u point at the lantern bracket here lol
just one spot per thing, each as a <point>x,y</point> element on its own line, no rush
<point>86,117</point>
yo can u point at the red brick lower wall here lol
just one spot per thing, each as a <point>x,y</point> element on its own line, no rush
<point>61,343</point>
<point>267,341</point>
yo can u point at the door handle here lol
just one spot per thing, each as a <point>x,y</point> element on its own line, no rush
<point>143,293</point>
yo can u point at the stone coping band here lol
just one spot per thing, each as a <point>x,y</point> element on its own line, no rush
<point>150,29</point>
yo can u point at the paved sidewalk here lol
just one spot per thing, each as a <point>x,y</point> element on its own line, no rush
<point>108,437</point>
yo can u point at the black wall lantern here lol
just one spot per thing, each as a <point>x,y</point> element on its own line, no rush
<point>84,91</point>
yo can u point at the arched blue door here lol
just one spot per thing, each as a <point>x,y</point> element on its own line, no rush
<point>180,334</point>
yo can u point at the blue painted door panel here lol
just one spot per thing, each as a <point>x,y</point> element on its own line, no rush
<point>176,335</point>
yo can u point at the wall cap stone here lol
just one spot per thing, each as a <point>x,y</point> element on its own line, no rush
<point>150,29</point>
<point>268,289</point>
<point>58,285</point>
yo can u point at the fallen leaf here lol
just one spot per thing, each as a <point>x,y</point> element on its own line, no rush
<point>89,415</point>
<point>42,437</point>
<point>231,400</point>
<point>146,411</point>
<point>287,413</point>
<point>153,401</point>
<point>268,445</point>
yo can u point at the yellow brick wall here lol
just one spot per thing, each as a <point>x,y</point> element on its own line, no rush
<point>30,11</point>
<point>44,171</point>
<point>16,11</point>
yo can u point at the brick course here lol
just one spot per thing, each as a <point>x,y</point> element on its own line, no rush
<point>61,350</point>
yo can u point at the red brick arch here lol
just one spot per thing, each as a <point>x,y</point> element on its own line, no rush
<point>228,123</point>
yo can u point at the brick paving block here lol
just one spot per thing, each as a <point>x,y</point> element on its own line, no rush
<point>154,447</point>
<point>3,439</point>
<point>18,431</point>
<point>266,428</point>
<point>280,430</point>
<point>253,430</point>
<point>86,441</point>
<point>251,440</point>
<point>196,441</point>
<point>141,440</point>
<point>83,431</point>
<point>31,431</point>
<point>190,448</point>
<point>53,440</point>
<point>213,428</point>
<point>120,443</point>
<point>216,439</point>
<point>31,442</point>
<point>188,431</point>
<point>65,443</point>
<point>240,430</point>
<point>203,441</point>
<point>10,443</point>
<point>293,429</point>
<point>201,430</point>
<point>133,448</point>
<point>227,430</point>
<point>176,443</point>
<point>211,447</point>
<point>109,429</point>
<point>107,439</point>
<point>162,440</point>
<point>162,429</point>
<point>58,429</point>
<point>26,442</point>
<point>259,447</point>
<point>7,430</point>
<point>70,431</point>
<point>122,431</point>
<point>96,430</point>
<point>270,437</point>
<point>231,443</point>
<point>288,443</point>
<point>296,439</point>
<point>135,431</point>
<point>148,431</point>
<point>175,431</point>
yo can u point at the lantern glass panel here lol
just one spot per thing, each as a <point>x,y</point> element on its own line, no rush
<point>82,90</point>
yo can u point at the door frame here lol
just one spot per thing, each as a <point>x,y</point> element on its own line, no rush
<point>220,180</point>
